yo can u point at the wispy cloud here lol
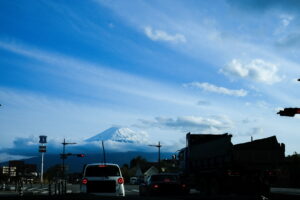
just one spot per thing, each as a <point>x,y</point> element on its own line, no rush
<point>215,124</point>
<point>257,70</point>
<point>292,40</point>
<point>216,89</point>
<point>54,116</point>
<point>163,36</point>
<point>286,19</point>
<point>203,103</point>
<point>95,75</point>
<point>257,5</point>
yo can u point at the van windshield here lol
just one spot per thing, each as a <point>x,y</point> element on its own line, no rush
<point>102,170</point>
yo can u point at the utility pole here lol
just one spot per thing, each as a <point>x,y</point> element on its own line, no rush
<point>158,146</point>
<point>64,156</point>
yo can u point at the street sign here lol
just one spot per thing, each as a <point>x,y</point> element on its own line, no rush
<point>42,149</point>
<point>43,139</point>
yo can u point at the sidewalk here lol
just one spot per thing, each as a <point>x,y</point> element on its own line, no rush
<point>289,191</point>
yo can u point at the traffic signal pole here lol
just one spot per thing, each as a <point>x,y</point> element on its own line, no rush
<point>63,157</point>
<point>42,168</point>
<point>42,150</point>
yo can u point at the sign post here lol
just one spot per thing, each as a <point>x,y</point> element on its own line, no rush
<point>42,149</point>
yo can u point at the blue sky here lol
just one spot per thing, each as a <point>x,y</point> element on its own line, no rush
<point>75,68</point>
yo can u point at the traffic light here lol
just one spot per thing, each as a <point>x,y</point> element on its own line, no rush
<point>289,112</point>
<point>80,155</point>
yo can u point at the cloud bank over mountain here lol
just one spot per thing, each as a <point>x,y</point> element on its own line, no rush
<point>116,139</point>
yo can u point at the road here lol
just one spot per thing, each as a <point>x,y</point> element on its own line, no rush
<point>32,192</point>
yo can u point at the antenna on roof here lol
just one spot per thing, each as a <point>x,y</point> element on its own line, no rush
<point>103,151</point>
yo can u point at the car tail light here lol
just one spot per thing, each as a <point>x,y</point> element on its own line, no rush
<point>120,180</point>
<point>232,173</point>
<point>155,186</point>
<point>271,173</point>
<point>84,181</point>
<point>102,165</point>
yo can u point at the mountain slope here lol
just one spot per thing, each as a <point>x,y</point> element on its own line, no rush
<point>119,134</point>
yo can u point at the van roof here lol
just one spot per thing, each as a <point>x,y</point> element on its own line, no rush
<point>112,164</point>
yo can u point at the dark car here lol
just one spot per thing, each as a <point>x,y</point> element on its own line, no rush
<point>163,184</point>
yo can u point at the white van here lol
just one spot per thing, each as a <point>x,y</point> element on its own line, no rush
<point>102,179</point>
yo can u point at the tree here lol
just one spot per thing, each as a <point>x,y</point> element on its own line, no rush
<point>138,161</point>
<point>53,172</point>
<point>126,172</point>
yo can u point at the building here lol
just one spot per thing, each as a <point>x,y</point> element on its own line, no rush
<point>17,168</point>
<point>8,171</point>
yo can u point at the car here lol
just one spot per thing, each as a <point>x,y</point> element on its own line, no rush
<point>133,180</point>
<point>102,179</point>
<point>163,184</point>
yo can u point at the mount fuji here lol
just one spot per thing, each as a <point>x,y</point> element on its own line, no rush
<point>121,144</point>
<point>122,135</point>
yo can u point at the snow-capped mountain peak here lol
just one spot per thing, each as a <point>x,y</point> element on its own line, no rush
<point>120,134</point>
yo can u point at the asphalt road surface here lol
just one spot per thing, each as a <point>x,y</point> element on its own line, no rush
<point>41,192</point>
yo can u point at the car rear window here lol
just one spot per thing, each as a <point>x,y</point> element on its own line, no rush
<point>164,178</point>
<point>102,170</point>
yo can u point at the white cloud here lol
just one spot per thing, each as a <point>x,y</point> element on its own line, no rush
<point>220,90</point>
<point>215,124</point>
<point>163,36</point>
<point>4,157</point>
<point>286,19</point>
<point>29,148</point>
<point>257,70</point>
